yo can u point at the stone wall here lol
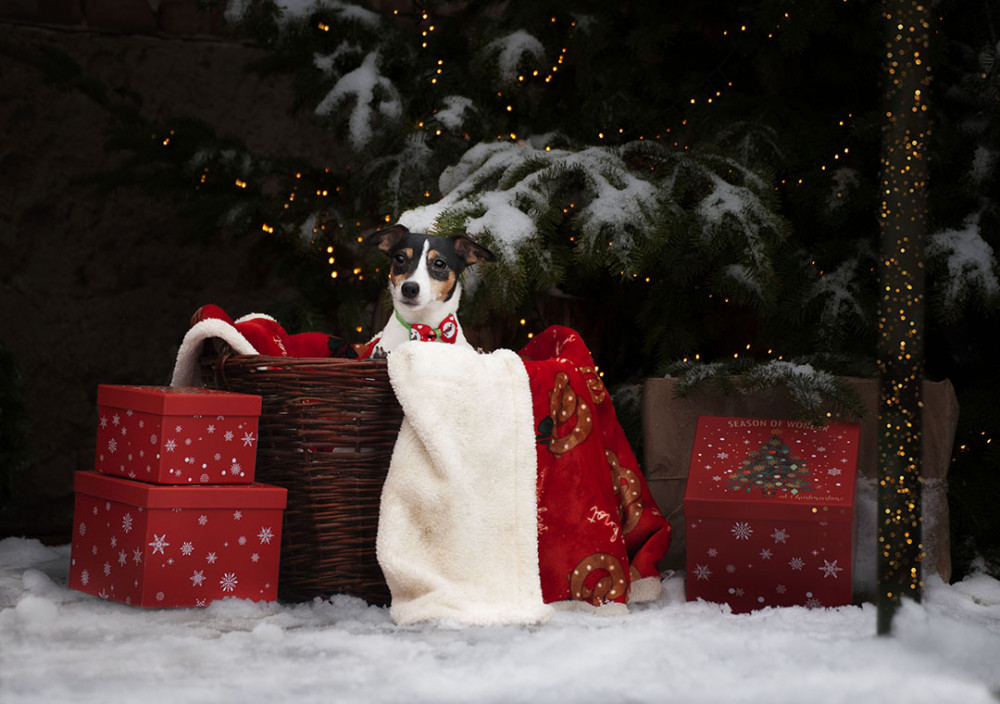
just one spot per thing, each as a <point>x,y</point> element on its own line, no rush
<point>98,287</point>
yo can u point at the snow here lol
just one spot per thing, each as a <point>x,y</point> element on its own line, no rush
<point>326,62</point>
<point>740,204</point>
<point>374,97</point>
<point>298,9</point>
<point>356,13</point>
<point>510,49</point>
<point>836,288</point>
<point>454,112</point>
<point>62,645</point>
<point>805,383</point>
<point>842,181</point>
<point>459,184</point>
<point>983,162</point>
<point>970,260</point>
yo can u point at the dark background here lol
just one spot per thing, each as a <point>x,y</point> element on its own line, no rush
<point>98,286</point>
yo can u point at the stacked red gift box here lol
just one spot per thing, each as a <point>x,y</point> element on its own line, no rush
<point>172,516</point>
<point>769,507</point>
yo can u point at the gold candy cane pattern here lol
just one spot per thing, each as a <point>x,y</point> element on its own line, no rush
<point>595,386</point>
<point>608,587</point>
<point>628,491</point>
<point>563,405</point>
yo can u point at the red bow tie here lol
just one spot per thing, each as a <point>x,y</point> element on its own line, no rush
<point>446,331</point>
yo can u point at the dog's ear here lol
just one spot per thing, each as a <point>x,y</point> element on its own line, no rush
<point>386,238</point>
<point>471,251</point>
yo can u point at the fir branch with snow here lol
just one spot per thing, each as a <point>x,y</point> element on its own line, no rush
<point>614,201</point>
<point>811,390</point>
<point>971,269</point>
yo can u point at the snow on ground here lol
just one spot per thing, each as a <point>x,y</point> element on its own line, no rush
<point>60,645</point>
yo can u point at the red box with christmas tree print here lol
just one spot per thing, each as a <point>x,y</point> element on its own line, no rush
<point>769,507</point>
<point>155,545</point>
<point>172,435</point>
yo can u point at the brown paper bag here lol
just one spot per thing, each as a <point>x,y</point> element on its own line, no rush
<point>668,434</point>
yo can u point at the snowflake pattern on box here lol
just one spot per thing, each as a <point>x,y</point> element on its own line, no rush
<point>770,469</point>
<point>174,557</point>
<point>209,448</point>
<point>776,530</point>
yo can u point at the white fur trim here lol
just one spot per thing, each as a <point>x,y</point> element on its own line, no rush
<point>255,316</point>
<point>645,589</point>
<point>458,532</point>
<point>186,372</point>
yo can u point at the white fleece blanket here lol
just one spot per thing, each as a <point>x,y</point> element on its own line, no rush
<point>457,534</point>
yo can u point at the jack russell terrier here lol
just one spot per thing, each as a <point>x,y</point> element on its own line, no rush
<point>424,284</point>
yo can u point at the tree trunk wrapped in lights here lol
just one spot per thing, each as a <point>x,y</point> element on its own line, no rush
<point>901,311</point>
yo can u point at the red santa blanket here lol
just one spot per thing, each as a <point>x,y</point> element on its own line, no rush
<point>512,486</point>
<point>600,533</point>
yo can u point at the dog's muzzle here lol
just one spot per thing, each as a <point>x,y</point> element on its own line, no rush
<point>409,289</point>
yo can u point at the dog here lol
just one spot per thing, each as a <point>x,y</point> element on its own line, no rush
<point>425,285</point>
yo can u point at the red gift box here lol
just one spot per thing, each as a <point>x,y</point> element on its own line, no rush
<point>174,435</point>
<point>769,507</point>
<point>155,545</point>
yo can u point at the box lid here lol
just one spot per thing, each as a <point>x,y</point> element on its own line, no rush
<point>136,493</point>
<point>772,468</point>
<point>178,400</point>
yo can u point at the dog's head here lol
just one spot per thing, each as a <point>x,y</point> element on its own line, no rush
<point>424,269</point>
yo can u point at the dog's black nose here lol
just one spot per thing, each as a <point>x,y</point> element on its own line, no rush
<point>410,289</point>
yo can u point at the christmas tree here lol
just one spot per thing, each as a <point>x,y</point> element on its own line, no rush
<point>773,469</point>
<point>694,186</point>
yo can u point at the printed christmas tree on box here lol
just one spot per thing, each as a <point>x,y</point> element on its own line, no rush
<point>772,468</point>
<point>770,512</point>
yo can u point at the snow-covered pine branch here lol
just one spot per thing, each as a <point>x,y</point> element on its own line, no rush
<point>372,98</point>
<point>508,53</point>
<point>752,142</point>
<point>506,193</point>
<point>970,263</point>
<point>293,10</point>
<point>402,174</point>
<point>838,293</point>
<point>810,389</point>
<point>457,109</point>
<point>615,200</point>
<point>807,386</point>
<point>736,218</point>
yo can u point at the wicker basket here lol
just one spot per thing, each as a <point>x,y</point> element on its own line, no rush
<point>326,433</point>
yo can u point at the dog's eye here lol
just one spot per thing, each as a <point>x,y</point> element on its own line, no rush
<point>440,264</point>
<point>399,258</point>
